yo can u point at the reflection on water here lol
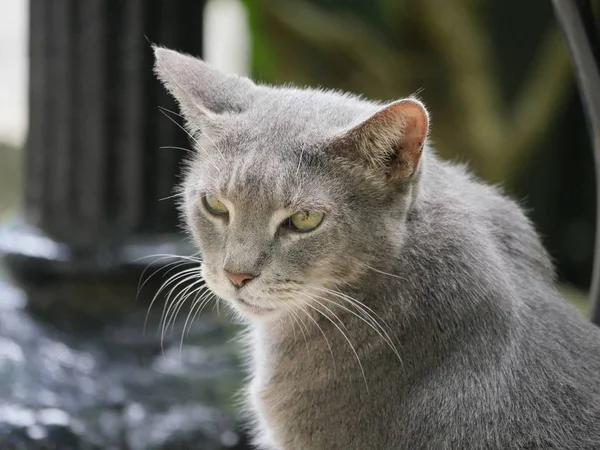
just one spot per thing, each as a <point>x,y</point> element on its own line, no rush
<point>75,379</point>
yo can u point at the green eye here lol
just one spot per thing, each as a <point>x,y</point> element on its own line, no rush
<point>305,220</point>
<point>214,205</point>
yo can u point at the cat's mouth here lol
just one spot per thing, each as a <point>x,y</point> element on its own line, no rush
<point>252,307</point>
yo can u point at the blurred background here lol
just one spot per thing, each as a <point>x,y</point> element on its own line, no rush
<point>495,75</point>
<point>78,102</point>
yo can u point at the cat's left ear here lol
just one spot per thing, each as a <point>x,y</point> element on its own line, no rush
<point>203,92</point>
<point>391,140</point>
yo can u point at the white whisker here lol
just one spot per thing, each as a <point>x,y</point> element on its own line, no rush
<point>382,272</point>
<point>181,295</point>
<point>198,292</point>
<point>180,299</point>
<point>202,302</point>
<point>205,134</point>
<point>172,147</point>
<point>364,309</point>
<point>322,332</point>
<point>339,329</point>
<point>168,197</point>
<point>161,289</point>
<point>290,309</point>
<point>192,138</point>
<point>372,323</point>
<point>181,278</point>
<point>142,284</point>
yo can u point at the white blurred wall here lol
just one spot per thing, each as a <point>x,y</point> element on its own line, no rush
<point>13,71</point>
<point>227,36</point>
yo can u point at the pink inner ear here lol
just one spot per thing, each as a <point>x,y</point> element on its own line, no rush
<point>412,122</point>
<point>400,127</point>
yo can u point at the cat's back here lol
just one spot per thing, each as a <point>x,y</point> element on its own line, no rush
<point>551,366</point>
<point>454,201</point>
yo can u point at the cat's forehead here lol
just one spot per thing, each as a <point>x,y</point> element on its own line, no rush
<point>292,180</point>
<point>275,150</point>
<point>301,115</point>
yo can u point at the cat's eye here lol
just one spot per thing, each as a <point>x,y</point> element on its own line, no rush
<point>214,205</point>
<point>304,221</point>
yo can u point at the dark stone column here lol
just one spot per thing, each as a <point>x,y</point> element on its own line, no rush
<point>94,170</point>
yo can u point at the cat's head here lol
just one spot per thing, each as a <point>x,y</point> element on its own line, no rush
<point>291,193</point>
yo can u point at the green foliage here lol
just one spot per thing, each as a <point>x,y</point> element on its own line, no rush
<point>387,49</point>
<point>263,58</point>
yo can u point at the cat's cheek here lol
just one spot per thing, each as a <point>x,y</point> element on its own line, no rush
<point>208,236</point>
<point>212,281</point>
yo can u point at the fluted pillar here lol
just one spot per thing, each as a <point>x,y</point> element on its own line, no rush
<point>96,180</point>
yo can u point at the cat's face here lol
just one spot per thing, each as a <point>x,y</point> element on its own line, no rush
<point>293,194</point>
<point>284,214</point>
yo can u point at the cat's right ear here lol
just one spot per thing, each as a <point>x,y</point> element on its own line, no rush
<point>203,92</point>
<point>391,141</point>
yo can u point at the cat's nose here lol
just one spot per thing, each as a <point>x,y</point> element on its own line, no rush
<point>239,279</point>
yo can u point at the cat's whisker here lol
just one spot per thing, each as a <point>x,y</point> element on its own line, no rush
<point>381,271</point>
<point>192,138</point>
<point>339,329</point>
<point>205,134</point>
<point>364,309</point>
<point>372,323</point>
<point>141,284</point>
<point>172,147</point>
<point>159,257</point>
<point>320,329</point>
<point>175,265</point>
<point>178,194</point>
<point>163,267</point>
<point>217,305</point>
<point>181,278</point>
<point>216,147</point>
<point>175,314</point>
<point>202,302</point>
<point>170,255</point>
<point>347,297</point>
<point>195,265</point>
<point>291,309</point>
<point>294,323</point>
<point>172,316</point>
<point>327,308</point>
<point>180,299</point>
<point>191,314</point>
<point>198,295</point>
<point>181,296</point>
<point>162,288</point>
<point>354,302</point>
<point>171,111</point>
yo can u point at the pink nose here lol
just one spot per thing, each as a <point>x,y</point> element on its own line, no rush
<point>239,279</point>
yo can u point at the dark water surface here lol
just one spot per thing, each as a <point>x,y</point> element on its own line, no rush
<point>78,372</point>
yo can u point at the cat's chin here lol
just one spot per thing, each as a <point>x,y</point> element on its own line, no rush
<point>251,309</point>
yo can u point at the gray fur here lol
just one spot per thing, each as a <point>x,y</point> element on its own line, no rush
<point>490,355</point>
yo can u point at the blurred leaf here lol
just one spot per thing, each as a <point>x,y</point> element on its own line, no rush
<point>264,62</point>
<point>577,297</point>
<point>393,12</point>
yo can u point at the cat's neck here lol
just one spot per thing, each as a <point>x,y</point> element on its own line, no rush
<point>392,323</point>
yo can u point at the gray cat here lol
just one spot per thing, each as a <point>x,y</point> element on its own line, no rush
<point>392,300</point>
